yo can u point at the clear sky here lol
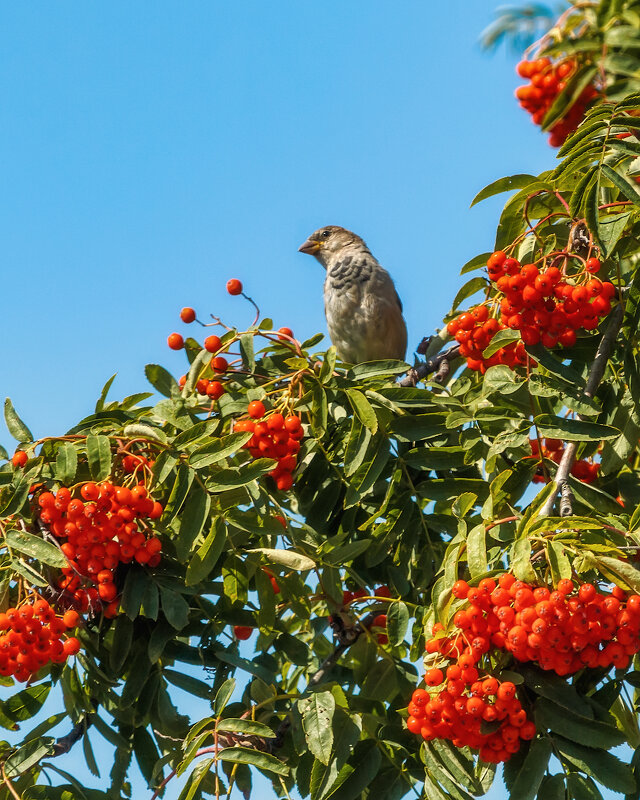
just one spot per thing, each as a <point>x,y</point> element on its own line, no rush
<point>151,151</point>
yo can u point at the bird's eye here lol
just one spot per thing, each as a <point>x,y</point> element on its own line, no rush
<point>326,234</point>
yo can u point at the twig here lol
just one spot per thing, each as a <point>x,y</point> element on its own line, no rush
<point>600,361</point>
<point>433,364</point>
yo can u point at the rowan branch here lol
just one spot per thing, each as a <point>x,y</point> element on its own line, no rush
<point>603,354</point>
<point>433,364</point>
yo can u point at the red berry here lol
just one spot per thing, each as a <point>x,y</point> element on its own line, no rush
<point>212,344</point>
<point>19,459</point>
<point>285,334</point>
<point>234,286</point>
<point>187,314</point>
<point>175,341</point>
<point>242,632</point>
<point>256,409</point>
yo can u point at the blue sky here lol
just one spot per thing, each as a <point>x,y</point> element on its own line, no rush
<point>149,152</point>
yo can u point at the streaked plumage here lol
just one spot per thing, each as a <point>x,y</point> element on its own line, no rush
<point>363,310</point>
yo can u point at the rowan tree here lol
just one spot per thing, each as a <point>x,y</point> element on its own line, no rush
<point>435,569</point>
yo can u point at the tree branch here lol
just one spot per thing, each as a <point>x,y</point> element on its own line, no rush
<point>603,354</point>
<point>433,364</point>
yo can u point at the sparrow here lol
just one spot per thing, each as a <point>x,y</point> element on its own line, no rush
<point>362,307</point>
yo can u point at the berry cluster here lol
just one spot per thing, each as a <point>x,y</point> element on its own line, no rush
<point>274,436</point>
<point>545,305</point>
<point>561,630</point>
<point>553,449</point>
<point>546,81</point>
<point>464,704</point>
<point>31,637</point>
<point>131,463</point>
<point>99,530</point>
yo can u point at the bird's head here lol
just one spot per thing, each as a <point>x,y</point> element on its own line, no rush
<point>328,241</point>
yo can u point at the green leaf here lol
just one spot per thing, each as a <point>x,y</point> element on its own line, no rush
<point>15,425</point>
<point>558,562</point>
<point>468,289</point>
<point>188,683</point>
<point>122,639</point>
<point>363,409</point>
<point>223,695</point>
<point>35,547</point>
<point>501,339</point>
<point>589,732</point>
<point>380,682</point>
<point>218,450</point>
<point>103,394</point>
<point>288,558</point>
<point>477,551</point>
<point>263,761</point>
<point>161,380</point>
<point>603,767</point>
<point>135,585</point>
<point>99,456</point>
<point>28,756</point>
<point>66,463</point>
<point>397,622</point>
<point>247,726</point>
<point>205,558</point>
<point>582,788</point>
<point>529,777</point>
<point>175,608</point>
<point>503,185</point>
<point>192,520</point>
<point>358,773</point>
<point>628,190</point>
<point>27,703</point>
<point>625,571</point>
<point>376,369</point>
<point>574,430</point>
<point>317,713</point>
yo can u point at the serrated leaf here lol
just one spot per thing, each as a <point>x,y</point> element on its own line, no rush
<point>206,556</point>
<point>66,463</point>
<point>35,547</point>
<point>288,558</point>
<point>317,714</point>
<point>363,409</point>
<point>263,761</point>
<point>99,456</point>
<point>603,767</point>
<point>219,449</point>
<point>161,380</point>
<point>397,622</point>
<point>174,607</point>
<point>248,726</point>
<point>15,425</point>
<point>223,695</point>
<point>589,732</point>
<point>507,184</point>
<point>529,777</point>
<point>574,430</point>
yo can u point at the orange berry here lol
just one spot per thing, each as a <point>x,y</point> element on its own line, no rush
<point>219,364</point>
<point>234,286</point>
<point>19,459</point>
<point>256,409</point>
<point>285,334</point>
<point>212,344</point>
<point>71,646</point>
<point>70,618</point>
<point>175,341</point>
<point>187,315</point>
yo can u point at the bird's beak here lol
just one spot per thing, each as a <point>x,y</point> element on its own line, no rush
<point>310,247</point>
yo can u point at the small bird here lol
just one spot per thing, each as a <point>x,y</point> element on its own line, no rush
<point>362,307</point>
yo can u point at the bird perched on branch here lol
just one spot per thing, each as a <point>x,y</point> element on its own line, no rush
<point>362,307</point>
